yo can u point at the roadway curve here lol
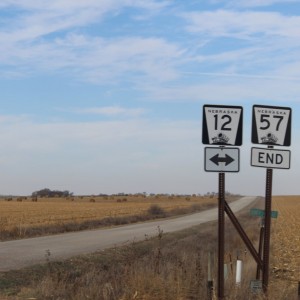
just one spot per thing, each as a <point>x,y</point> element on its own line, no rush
<point>23,253</point>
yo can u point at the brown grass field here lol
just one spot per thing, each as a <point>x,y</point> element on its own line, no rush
<point>22,217</point>
<point>169,266</point>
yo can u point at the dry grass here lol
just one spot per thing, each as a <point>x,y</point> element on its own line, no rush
<point>26,218</point>
<point>168,267</point>
<point>286,244</point>
<point>171,266</point>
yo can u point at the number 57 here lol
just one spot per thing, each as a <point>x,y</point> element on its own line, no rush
<point>266,120</point>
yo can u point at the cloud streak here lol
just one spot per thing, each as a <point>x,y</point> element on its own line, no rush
<point>243,25</point>
<point>258,3</point>
<point>46,36</point>
<point>112,111</point>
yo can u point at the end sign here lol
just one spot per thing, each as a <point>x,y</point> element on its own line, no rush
<point>270,158</point>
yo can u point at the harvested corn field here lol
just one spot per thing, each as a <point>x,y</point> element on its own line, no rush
<point>286,243</point>
<point>22,217</point>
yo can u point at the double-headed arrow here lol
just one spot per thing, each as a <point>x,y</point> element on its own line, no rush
<point>217,159</point>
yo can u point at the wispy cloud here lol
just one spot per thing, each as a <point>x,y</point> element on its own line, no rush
<point>112,111</point>
<point>244,76</point>
<point>37,19</point>
<point>221,88</point>
<point>265,43</point>
<point>46,36</point>
<point>96,59</point>
<point>257,3</point>
<point>213,51</point>
<point>243,25</point>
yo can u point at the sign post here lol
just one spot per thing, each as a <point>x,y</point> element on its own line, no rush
<point>271,125</point>
<point>221,235</point>
<point>222,126</point>
<point>267,229</point>
<point>260,247</point>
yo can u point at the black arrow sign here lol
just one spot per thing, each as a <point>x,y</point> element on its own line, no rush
<point>217,159</point>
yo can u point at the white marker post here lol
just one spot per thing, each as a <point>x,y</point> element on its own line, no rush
<point>238,275</point>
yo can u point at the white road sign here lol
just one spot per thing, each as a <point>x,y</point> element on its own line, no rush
<point>221,159</point>
<point>271,125</point>
<point>270,158</point>
<point>222,125</point>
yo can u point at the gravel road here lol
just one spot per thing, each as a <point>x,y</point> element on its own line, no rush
<point>22,253</point>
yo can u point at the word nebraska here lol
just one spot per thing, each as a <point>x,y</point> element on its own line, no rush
<point>223,111</point>
<point>271,112</point>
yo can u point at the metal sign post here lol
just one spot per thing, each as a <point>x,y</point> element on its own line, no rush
<point>267,229</point>
<point>221,235</point>
<point>222,126</point>
<point>271,125</point>
<point>260,248</point>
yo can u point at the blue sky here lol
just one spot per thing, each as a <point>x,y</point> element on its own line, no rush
<point>106,96</point>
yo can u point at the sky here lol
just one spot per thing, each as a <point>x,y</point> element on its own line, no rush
<point>106,96</point>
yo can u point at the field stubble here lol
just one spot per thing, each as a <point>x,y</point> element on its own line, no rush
<point>27,218</point>
<point>285,250</point>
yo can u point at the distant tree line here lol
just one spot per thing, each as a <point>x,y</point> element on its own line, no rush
<point>49,193</point>
<point>216,194</point>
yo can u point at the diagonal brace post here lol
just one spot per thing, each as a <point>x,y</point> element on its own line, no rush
<point>243,235</point>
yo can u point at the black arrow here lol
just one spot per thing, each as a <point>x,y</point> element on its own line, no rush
<point>217,159</point>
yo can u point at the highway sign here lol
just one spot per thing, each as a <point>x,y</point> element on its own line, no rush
<point>255,212</point>
<point>270,158</point>
<point>271,125</point>
<point>222,125</point>
<point>220,159</point>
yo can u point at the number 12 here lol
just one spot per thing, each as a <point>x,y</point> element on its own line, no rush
<point>226,123</point>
